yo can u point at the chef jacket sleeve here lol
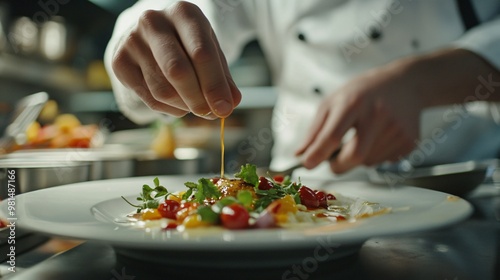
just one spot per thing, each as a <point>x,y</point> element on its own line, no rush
<point>484,40</point>
<point>228,19</point>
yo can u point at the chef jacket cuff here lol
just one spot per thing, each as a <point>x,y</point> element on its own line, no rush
<point>484,40</point>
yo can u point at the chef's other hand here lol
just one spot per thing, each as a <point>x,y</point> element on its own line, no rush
<point>173,62</point>
<point>383,108</point>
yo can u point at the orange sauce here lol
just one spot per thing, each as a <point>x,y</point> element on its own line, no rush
<point>222,147</point>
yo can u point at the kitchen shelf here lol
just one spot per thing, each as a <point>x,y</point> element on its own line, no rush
<point>54,76</point>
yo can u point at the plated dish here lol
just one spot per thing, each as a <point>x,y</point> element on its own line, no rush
<point>95,211</point>
<point>247,201</point>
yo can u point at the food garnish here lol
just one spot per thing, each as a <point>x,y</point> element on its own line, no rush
<point>244,202</point>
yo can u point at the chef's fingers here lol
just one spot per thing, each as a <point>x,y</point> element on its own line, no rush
<point>158,86</point>
<point>354,153</point>
<point>168,52</point>
<point>312,133</point>
<point>330,135</point>
<point>129,73</point>
<point>161,89</point>
<point>342,162</point>
<point>146,96</point>
<point>200,45</point>
<point>389,146</point>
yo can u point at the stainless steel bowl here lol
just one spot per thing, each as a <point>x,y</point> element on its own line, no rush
<point>37,173</point>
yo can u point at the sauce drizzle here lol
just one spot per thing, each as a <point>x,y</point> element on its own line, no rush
<point>222,147</point>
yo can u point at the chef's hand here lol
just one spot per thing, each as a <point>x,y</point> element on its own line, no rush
<point>384,109</point>
<point>384,106</point>
<point>173,62</point>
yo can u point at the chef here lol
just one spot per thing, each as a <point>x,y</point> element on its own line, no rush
<point>379,80</point>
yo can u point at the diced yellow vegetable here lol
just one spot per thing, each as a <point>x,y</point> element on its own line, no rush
<point>287,205</point>
<point>193,221</point>
<point>176,197</point>
<point>151,214</point>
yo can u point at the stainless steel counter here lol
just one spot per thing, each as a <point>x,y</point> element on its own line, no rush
<point>469,250</point>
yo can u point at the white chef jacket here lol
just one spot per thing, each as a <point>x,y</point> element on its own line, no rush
<point>313,47</point>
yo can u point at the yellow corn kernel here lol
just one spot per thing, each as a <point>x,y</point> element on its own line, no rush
<point>151,214</point>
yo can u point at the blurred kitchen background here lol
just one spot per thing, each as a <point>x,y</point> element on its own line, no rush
<point>57,46</point>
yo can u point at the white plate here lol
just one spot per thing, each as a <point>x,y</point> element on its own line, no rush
<point>89,210</point>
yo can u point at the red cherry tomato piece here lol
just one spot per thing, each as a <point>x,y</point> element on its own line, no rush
<point>168,209</point>
<point>234,216</point>
<point>308,197</point>
<point>321,196</point>
<point>170,226</point>
<point>265,184</point>
<point>330,196</point>
<point>215,180</point>
<point>278,178</point>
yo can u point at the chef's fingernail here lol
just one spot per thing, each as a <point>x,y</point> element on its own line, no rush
<point>222,108</point>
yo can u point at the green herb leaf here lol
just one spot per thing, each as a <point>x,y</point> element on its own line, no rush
<point>149,196</point>
<point>286,181</point>
<point>146,192</point>
<point>191,185</point>
<point>206,190</point>
<point>248,173</point>
<point>152,204</point>
<point>228,200</point>
<point>296,198</point>
<point>187,194</point>
<point>292,188</point>
<point>265,197</point>
<point>274,193</point>
<point>160,191</point>
<point>262,203</point>
<point>207,214</point>
<point>245,198</point>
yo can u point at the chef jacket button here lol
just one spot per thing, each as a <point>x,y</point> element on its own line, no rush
<point>375,33</point>
<point>317,90</point>
<point>301,37</point>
